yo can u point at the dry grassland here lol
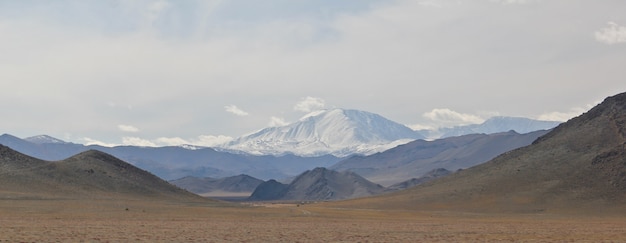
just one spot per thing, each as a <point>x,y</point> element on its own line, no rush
<point>110,221</point>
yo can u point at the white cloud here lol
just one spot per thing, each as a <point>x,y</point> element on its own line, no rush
<point>89,141</point>
<point>277,122</point>
<point>309,104</point>
<point>135,141</point>
<point>561,116</point>
<point>211,141</point>
<point>235,110</point>
<point>127,128</point>
<point>614,34</point>
<point>202,140</point>
<point>172,141</point>
<point>450,117</point>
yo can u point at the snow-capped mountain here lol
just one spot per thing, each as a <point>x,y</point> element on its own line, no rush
<point>340,132</point>
<point>42,139</point>
<point>492,125</point>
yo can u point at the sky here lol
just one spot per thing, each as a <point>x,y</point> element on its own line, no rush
<point>158,72</point>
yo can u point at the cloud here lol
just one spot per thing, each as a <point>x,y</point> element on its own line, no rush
<point>211,141</point>
<point>135,141</point>
<point>127,128</point>
<point>89,141</point>
<point>614,34</point>
<point>309,104</point>
<point>561,116</point>
<point>277,122</point>
<point>235,110</point>
<point>450,116</point>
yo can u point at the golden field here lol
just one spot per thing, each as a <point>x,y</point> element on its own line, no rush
<point>133,220</point>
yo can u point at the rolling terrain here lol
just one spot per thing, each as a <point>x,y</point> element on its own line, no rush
<point>579,166</point>
<point>240,185</point>
<point>88,175</point>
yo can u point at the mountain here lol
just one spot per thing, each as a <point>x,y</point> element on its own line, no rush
<point>339,132</point>
<point>269,190</point>
<point>492,125</point>
<point>223,186</point>
<point>416,158</point>
<point>320,184</point>
<point>580,166</point>
<point>433,174</point>
<point>176,162</point>
<point>41,139</point>
<point>91,174</point>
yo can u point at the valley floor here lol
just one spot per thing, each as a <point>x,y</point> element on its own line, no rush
<point>115,221</point>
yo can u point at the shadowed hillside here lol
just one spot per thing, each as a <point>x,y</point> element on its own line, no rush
<point>91,174</point>
<point>580,165</point>
<point>318,185</point>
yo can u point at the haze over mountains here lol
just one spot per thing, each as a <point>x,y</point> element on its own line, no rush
<point>580,165</point>
<point>280,152</point>
<point>416,158</point>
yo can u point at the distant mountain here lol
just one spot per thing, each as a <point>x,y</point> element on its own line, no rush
<point>269,190</point>
<point>433,174</point>
<point>41,139</point>
<point>176,162</point>
<point>318,185</point>
<point>91,174</point>
<point>492,125</point>
<point>220,187</point>
<point>580,166</point>
<point>339,132</point>
<point>418,157</point>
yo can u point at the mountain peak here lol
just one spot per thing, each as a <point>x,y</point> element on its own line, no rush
<point>335,131</point>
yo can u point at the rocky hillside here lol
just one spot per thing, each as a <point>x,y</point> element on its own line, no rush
<point>318,185</point>
<point>580,165</point>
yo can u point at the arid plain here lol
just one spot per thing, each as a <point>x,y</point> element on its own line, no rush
<point>57,220</point>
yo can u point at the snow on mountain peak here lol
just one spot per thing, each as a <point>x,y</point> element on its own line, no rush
<point>335,131</point>
<point>42,139</point>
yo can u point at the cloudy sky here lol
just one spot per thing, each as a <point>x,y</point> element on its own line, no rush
<point>168,72</point>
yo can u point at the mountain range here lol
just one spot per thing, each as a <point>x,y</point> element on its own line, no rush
<point>416,158</point>
<point>496,124</point>
<point>91,174</point>
<point>578,166</point>
<point>175,162</point>
<point>316,140</point>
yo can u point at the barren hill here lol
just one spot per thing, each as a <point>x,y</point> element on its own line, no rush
<point>91,174</point>
<point>320,184</point>
<point>580,165</point>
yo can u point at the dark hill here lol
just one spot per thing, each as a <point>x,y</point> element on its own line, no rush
<point>322,184</point>
<point>269,190</point>
<point>91,174</point>
<point>580,165</point>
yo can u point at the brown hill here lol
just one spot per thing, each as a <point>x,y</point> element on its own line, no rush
<point>91,174</point>
<point>580,165</point>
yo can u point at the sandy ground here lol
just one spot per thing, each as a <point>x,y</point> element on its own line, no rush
<point>121,221</point>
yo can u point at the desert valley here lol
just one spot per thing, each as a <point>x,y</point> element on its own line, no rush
<point>567,183</point>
